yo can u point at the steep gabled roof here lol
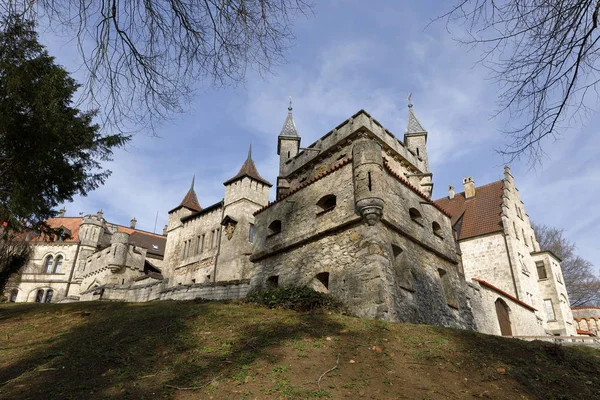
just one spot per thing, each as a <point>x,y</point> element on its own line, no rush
<point>248,170</point>
<point>190,201</point>
<point>481,214</point>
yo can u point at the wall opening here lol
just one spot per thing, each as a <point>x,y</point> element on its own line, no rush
<point>326,203</point>
<point>415,215</point>
<point>320,282</point>
<point>272,282</point>
<point>437,229</point>
<point>274,228</point>
<point>370,183</point>
<point>13,295</point>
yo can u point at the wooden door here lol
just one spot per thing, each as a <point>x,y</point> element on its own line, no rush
<point>503,318</point>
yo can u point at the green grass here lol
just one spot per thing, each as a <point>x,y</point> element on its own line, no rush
<point>234,350</point>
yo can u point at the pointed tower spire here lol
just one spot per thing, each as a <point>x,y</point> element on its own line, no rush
<point>413,126</point>
<point>248,170</point>
<point>289,126</point>
<point>191,200</point>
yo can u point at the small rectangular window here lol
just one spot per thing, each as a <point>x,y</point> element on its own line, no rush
<point>550,310</point>
<point>541,270</point>
<point>251,233</point>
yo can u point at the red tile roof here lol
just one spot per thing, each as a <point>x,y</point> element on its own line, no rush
<point>582,332</point>
<point>479,215</point>
<point>70,223</point>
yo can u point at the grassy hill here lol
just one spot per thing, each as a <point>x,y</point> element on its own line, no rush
<point>192,350</point>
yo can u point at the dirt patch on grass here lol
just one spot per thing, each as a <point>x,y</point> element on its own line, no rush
<point>185,350</point>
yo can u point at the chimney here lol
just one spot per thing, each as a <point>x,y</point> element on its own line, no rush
<point>132,223</point>
<point>100,214</point>
<point>165,230</point>
<point>61,212</point>
<point>451,192</point>
<point>469,187</point>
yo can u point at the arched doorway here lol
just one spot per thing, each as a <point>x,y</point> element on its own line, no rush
<point>502,312</point>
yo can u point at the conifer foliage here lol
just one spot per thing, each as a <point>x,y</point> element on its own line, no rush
<point>49,149</point>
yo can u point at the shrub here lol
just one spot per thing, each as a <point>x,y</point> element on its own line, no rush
<point>299,298</point>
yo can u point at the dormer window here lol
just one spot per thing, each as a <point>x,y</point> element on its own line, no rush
<point>326,203</point>
<point>416,216</point>
<point>274,228</point>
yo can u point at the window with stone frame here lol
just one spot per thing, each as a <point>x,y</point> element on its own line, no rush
<point>524,237</point>
<point>48,264</point>
<point>516,231</point>
<point>251,233</point>
<point>58,264</point>
<point>49,295</point>
<point>541,270</point>
<point>523,264</point>
<point>39,296</point>
<point>550,309</point>
<point>13,295</point>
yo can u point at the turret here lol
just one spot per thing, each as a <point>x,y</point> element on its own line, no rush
<point>288,146</point>
<point>368,179</point>
<point>118,251</point>
<point>415,137</point>
<point>92,229</point>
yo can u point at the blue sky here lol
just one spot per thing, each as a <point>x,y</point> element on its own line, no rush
<point>345,58</point>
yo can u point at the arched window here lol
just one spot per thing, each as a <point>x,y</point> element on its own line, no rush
<point>415,215</point>
<point>48,264</point>
<point>49,294</point>
<point>58,264</point>
<point>437,229</point>
<point>326,203</point>
<point>39,295</point>
<point>13,295</point>
<point>274,228</point>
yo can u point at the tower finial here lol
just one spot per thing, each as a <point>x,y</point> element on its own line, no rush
<point>290,106</point>
<point>193,180</point>
<point>250,152</point>
<point>410,100</point>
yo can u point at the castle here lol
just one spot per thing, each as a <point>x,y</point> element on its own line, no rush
<point>353,217</point>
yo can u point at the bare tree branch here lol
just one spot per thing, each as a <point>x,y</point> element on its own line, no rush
<point>144,58</point>
<point>544,55</point>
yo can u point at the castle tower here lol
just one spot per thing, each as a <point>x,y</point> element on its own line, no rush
<point>245,193</point>
<point>288,146</point>
<point>415,139</point>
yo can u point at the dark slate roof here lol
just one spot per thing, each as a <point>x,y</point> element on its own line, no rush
<point>289,126</point>
<point>248,170</point>
<point>413,126</point>
<point>153,243</point>
<point>479,215</point>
